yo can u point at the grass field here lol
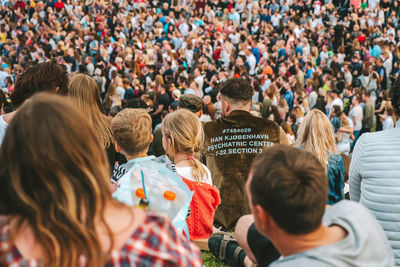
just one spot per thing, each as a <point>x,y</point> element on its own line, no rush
<point>210,261</point>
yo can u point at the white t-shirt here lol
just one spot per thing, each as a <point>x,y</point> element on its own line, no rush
<point>187,172</point>
<point>275,19</point>
<point>251,59</point>
<point>357,112</point>
<point>3,129</point>
<point>388,123</point>
<point>121,92</point>
<point>200,82</point>
<point>336,102</point>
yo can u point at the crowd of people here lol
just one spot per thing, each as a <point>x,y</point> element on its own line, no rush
<point>219,97</point>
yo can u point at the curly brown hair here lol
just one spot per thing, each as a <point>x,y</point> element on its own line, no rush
<point>46,76</point>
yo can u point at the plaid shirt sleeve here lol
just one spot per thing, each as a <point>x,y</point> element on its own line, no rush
<point>157,243</point>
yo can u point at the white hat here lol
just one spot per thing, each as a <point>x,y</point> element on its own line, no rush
<point>177,93</point>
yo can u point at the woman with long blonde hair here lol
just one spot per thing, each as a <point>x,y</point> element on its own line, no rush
<point>86,96</point>
<point>315,135</point>
<point>183,137</point>
<point>57,199</point>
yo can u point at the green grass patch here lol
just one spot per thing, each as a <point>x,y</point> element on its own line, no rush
<point>210,261</point>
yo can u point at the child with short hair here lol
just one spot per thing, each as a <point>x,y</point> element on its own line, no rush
<point>132,134</point>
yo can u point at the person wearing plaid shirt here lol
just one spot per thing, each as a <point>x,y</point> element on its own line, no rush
<point>59,212</point>
<point>155,243</point>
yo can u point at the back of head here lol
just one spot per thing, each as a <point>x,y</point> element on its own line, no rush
<point>84,91</point>
<point>316,135</point>
<point>336,109</point>
<point>46,76</point>
<point>191,102</point>
<point>237,89</point>
<point>132,130</point>
<point>86,96</point>
<point>136,103</point>
<point>298,112</point>
<point>53,171</point>
<point>185,134</point>
<point>291,186</point>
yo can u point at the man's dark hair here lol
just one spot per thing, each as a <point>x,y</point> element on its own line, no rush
<point>395,96</point>
<point>366,93</point>
<point>291,186</point>
<point>336,109</point>
<point>136,103</point>
<point>237,89</point>
<point>46,76</point>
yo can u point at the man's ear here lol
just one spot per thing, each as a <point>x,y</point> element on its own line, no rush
<point>58,88</point>
<point>262,217</point>
<point>151,138</point>
<point>117,147</point>
<point>227,107</point>
<point>200,113</point>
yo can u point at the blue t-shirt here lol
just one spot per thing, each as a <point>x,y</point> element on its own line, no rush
<point>289,99</point>
<point>282,52</point>
<point>309,73</point>
<point>298,50</point>
<point>256,54</point>
<point>129,94</point>
<point>376,51</point>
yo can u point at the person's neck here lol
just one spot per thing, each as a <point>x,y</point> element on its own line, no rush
<point>140,155</point>
<point>182,160</point>
<point>9,116</point>
<point>244,107</point>
<point>323,236</point>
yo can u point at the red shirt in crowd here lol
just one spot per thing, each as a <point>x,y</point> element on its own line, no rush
<point>19,4</point>
<point>59,5</point>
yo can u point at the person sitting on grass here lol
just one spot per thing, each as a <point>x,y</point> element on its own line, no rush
<point>183,137</point>
<point>132,132</point>
<point>57,202</point>
<point>147,179</point>
<point>287,190</point>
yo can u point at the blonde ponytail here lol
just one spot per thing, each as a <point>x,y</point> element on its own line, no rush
<point>199,172</point>
<point>186,135</point>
